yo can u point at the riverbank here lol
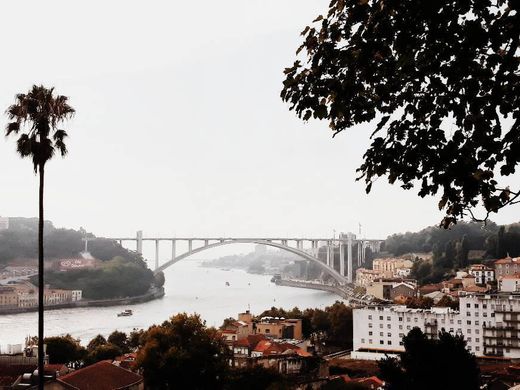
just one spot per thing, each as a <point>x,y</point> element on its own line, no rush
<point>152,294</point>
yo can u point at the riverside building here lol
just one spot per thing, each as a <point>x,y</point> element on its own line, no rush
<point>490,325</point>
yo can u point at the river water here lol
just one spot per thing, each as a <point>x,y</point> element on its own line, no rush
<point>189,288</point>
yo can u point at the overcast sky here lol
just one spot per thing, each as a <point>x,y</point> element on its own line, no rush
<point>180,129</point>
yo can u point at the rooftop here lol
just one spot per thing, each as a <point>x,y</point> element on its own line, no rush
<point>101,376</point>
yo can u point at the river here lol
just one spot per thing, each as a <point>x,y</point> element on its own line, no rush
<point>189,288</point>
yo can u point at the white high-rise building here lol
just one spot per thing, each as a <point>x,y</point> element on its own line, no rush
<point>489,323</point>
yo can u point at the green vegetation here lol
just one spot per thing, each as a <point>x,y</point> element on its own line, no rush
<point>183,353</point>
<point>116,278</point>
<point>431,364</point>
<point>20,241</point>
<point>64,349</point>
<point>333,324</point>
<point>455,248</point>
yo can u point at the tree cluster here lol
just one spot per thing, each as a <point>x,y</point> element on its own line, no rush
<point>335,322</point>
<point>117,278</point>
<point>442,363</point>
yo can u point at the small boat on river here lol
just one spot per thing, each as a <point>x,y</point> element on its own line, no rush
<point>125,313</point>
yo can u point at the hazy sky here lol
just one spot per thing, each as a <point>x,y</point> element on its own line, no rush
<point>180,129</point>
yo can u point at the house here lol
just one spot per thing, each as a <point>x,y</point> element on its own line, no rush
<point>390,288</point>
<point>280,328</point>
<point>100,376</point>
<point>507,266</point>
<point>483,274</point>
<point>285,357</point>
<point>390,266</point>
<point>366,276</point>
<point>509,283</point>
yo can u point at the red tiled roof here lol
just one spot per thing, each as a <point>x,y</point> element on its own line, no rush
<point>101,376</point>
<point>372,382</point>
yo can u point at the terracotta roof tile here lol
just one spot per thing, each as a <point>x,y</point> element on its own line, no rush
<point>101,376</point>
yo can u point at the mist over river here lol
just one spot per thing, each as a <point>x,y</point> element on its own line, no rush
<point>189,287</point>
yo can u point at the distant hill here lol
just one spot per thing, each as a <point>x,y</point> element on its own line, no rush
<point>489,241</point>
<point>20,241</point>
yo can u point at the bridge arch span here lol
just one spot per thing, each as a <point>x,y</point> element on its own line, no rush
<point>332,272</point>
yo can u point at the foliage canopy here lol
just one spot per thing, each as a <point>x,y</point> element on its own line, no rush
<point>442,80</point>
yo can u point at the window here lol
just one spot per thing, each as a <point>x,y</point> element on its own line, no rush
<point>469,330</point>
<point>370,317</point>
<point>477,348</point>
<point>484,314</point>
<point>401,319</point>
<point>389,326</point>
<point>381,318</point>
<point>388,318</point>
<point>389,342</point>
<point>476,305</point>
<point>476,314</point>
<point>415,319</point>
<point>401,343</point>
<point>267,331</point>
<point>469,339</point>
<point>408,327</point>
<point>468,322</point>
<point>451,320</point>
<point>362,341</point>
<point>484,306</point>
<point>370,333</point>
<point>477,340</point>
<point>389,334</point>
<point>451,330</point>
<point>401,335</point>
<point>443,321</point>
<point>400,326</point>
<point>381,334</point>
<point>370,325</point>
<point>468,305</point>
<point>381,325</point>
<point>370,341</point>
<point>492,314</point>
<point>408,319</point>
<point>459,322</point>
<point>381,342</point>
<point>476,323</point>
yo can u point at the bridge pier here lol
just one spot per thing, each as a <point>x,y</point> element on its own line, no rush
<point>156,254</point>
<point>349,257</point>
<point>139,242</point>
<point>190,246</point>
<point>173,249</point>
<point>341,259</point>
<point>328,253</point>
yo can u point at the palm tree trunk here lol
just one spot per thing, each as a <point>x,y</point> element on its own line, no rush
<point>41,285</point>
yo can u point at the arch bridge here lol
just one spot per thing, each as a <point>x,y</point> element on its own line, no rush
<point>305,248</point>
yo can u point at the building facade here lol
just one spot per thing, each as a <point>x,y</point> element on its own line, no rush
<point>490,325</point>
<point>507,266</point>
<point>482,273</point>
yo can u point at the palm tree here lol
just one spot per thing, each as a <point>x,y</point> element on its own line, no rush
<point>35,116</point>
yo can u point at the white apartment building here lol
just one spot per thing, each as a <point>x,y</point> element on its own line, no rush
<point>482,273</point>
<point>489,323</point>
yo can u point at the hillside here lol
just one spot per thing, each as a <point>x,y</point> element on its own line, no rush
<point>495,241</point>
<point>20,241</point>
<point>122,273</point>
